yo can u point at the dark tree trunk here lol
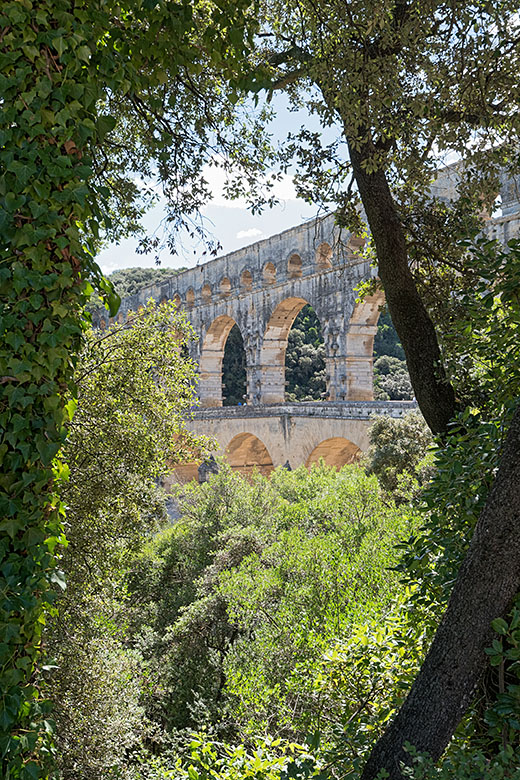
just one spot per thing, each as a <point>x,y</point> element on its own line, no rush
<point>433,392</point>
<point>489,577</point>
<point>488,580</point>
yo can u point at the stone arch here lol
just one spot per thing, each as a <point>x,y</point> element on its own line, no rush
<point>190,298</point>
<point>234,369</point>
<point>294,266</point>
<point>336,451</point>
<point>355,245</point>
<point>274,344</point>
<point>177,300</point>
<point>206,293</point>
<point>212,354</point>
<point>246,281</point>
<point>246,452</point>
<point>225,287</point>
<point>102,323</point>
<point>269,273</point>
<point>362,328</point>
<point>305,367</point>
<point>324,256</point>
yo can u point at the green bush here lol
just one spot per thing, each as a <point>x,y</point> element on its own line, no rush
<point>391,380</point>
<point>236,605</point>
<point>398,447</point>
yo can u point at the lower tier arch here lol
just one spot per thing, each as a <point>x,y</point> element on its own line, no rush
<point>246,452</point>
<point>336,451</point>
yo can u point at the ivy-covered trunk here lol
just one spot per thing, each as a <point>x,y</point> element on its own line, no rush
<point>48,102</point>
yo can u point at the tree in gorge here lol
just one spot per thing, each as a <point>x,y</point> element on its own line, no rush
<point>391,379</point>
<point>407,83</point>
<point>305,358</point>
<point>234,378</point>
<point>95,96</point>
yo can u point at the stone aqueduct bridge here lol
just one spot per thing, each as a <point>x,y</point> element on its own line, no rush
<point>262,288</point>
<point>264,437</point>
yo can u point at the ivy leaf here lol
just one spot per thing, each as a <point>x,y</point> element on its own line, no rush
<point>105,124</point>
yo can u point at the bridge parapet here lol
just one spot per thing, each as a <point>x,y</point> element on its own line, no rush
<point>347,410</point>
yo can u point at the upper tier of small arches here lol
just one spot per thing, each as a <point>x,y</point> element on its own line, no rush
<point>249,279</point>
<point>306,253</point>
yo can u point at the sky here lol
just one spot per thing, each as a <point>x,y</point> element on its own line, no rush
<point>229,222</point>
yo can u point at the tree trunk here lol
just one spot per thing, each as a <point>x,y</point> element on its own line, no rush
<point>433,392</point>
<point>488,580</point>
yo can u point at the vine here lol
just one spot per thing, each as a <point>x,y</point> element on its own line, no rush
<point>49,104</point>
<point>60,61</point>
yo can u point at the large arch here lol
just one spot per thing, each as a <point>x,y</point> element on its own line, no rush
<point>212,354</point>
<point>336,451</point>
<point>234,369</point>
<point>274,344</point>
<point>362,328</point>
<point>305,368</point>
<point>246,452</point>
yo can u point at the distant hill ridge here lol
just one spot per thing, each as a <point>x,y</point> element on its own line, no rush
<point>129,281</point>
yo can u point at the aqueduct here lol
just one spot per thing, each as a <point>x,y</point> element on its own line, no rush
<point>261,289</point>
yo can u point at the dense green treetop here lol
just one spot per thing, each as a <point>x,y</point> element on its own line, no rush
<point>127,431</point>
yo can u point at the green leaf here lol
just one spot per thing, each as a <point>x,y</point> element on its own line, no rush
<point>70,407</point>
<point>105,124</point>
<point>500,626</point>
<point>83,53</point>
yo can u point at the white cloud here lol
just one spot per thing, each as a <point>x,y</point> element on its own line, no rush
<point>251,233</point>
<point>216,178</point>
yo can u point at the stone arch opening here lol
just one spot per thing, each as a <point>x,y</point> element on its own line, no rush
<point>177,300</point>
<point>234,369</point>
<point>324,256</point>
<point>305,369</point>
<point>190,298</point>
<point>355,245</point>
<point>225,287</point>
<point>272,359</point>
<point>212,355</point>
<point>336,451</point>
<point>391,378</point>
<point>206,293</point>
<point>246,452</point>
<point>269,273</point>
<point>246,281</point>
<point>294,267</point>
<point>362,328</point>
